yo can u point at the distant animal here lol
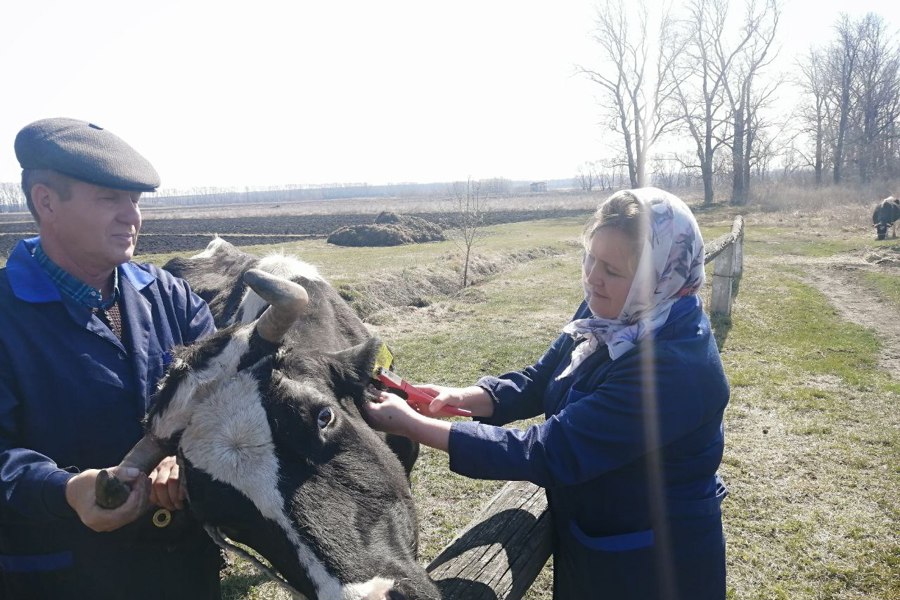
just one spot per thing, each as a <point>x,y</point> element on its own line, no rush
<point>886,214</point>
<point>265,418</point>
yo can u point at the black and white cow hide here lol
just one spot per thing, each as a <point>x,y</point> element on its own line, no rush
<point>265,417</point>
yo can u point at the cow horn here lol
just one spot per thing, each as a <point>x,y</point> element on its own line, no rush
<point>287,301</point>
<point>146,454</point>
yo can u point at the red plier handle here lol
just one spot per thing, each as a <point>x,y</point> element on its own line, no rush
<point>413,395</point>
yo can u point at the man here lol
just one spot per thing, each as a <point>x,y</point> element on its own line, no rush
<point>85,335</point>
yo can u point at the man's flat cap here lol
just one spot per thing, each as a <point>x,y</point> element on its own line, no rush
<point>85,152</point>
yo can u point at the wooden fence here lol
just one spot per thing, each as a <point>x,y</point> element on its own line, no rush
<point>501,552</point>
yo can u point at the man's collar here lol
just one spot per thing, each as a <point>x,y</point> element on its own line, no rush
<point>30,283</point>
<point>73,287</point>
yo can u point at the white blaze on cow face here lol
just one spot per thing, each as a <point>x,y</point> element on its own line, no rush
<point>197,385</point>
<point>288,267</point>
<point>229,438</point>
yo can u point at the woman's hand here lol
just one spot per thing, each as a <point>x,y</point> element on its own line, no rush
<point>391,414</point>
<point>472,398</point>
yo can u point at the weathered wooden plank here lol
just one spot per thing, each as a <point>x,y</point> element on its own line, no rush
<point>502,550</point>
<point>735,236</point>
<point>717,246</point>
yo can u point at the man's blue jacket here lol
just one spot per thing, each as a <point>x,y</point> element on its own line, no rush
<point>628,455</point>
<point>72,397</point>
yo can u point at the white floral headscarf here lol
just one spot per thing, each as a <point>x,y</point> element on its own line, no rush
<point>670,267</point>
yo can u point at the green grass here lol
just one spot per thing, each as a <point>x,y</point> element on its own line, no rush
<point>771,241</point>
<point>888,286</point>
<point>812,448</point>
<point>812,444</point>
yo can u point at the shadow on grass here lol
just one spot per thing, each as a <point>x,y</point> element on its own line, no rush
<point>721,324</point>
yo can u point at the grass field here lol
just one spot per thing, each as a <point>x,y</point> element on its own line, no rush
<point>811,454</point>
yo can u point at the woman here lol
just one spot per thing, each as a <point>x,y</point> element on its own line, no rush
<point>633,392</point>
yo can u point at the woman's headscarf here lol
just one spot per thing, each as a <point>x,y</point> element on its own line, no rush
<point>670,267</point>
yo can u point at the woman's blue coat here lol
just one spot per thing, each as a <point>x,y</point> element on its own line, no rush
<point>72,397</point>
<point>628,455</point>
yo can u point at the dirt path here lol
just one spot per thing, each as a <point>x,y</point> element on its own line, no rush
<point>840,279</point>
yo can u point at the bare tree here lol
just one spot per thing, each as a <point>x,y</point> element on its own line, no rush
<point>852,102</point>
<point>876,90</point>
<point>11,197</point>
<point>635,97</point>
<point>815,109</point>
<point>587,176</point>
<point>740,69</point>
<point>470,207</point>
<point>844,58</point>
<point>699,79</point>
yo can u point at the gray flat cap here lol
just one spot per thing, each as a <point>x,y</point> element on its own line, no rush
<point>85,152</point>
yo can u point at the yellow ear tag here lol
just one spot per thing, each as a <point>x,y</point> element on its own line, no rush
<point>384,359</point>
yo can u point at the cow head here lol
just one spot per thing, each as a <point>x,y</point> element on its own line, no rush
<point>276,455</point>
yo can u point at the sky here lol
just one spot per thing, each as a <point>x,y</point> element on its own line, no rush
<point>269,93</point>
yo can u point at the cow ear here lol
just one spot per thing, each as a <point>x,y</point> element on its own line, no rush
<point>352,368</point>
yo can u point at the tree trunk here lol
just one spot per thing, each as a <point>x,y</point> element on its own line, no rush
<point>819,166</point>
<point>706,172</point>
<point>750,137</point>
<point>738,192</point>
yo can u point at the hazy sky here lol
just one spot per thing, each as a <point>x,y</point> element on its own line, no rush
<point>220,93</point>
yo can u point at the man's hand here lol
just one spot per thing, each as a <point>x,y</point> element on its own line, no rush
<point>80,496</point>
<point>166,490</point>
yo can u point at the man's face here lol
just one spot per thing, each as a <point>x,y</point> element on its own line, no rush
<point>96,228</point>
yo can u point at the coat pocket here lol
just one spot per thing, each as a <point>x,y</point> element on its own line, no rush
<point>613,543</point>
<point>621,566</point>
<point>36,563</point>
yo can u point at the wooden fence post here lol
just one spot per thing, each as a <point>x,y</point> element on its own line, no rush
<point>737,230</point>
<point>723,275</point>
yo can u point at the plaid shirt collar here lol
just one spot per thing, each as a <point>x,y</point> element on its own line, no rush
<point>72,287</point>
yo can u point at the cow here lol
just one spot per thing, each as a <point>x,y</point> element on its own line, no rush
<point>265,418</point>
<point>886,214</point>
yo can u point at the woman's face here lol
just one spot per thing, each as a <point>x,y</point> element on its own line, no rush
<point>608,272</point>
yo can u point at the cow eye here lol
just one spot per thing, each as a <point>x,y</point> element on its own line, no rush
<point>326,416</point>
